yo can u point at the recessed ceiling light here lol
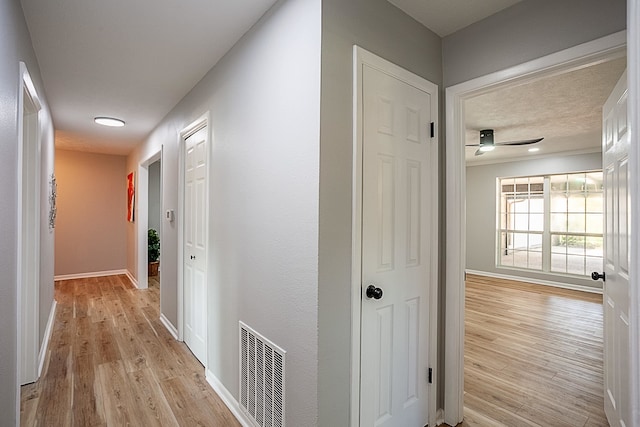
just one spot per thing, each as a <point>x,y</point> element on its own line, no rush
<point>533,150</point>
<point>109,121</point>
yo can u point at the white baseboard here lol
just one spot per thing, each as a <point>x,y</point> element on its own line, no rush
<point>537,281</point>
<point>167,324</point>
<point>131,278</point>
<point>90,274</point>
<point>229,400</point>
<point>42,356</point>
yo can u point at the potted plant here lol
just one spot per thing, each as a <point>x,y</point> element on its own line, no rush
<point>153,241</point>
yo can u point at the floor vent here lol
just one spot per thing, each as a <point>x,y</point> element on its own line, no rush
<point>261,378</point>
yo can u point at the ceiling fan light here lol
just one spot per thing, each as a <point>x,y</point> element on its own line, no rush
<point>486,137</point>
<point>109,121</point>
<point>487,148</point>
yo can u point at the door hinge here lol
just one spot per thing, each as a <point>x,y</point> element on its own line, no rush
<point>430,375</point>
<point>433,129</point>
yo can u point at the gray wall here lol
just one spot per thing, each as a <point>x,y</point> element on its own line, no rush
<point>381,28</point>
<point>15,46</point>
<point>264,101</point>
<point>528,30</point>
<point>155,209</point>
<point>481,210</point>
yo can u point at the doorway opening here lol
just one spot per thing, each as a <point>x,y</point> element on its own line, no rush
<point>571,59</point>
<point>149,208</point>
<point>154,226</point>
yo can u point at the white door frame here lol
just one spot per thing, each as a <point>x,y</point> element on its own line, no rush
<point>143,219</point>
<point>361,57</point>
<point>633,80</point>
<point>202,121</point>
<point>576,57</point>
<point>29,223</point>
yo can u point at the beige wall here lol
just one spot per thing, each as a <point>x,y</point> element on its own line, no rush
<point>91,225</point>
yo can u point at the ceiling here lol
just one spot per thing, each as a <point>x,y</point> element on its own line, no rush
<point>128,60</point>
<point>132,60</point>
<point>565,109</point>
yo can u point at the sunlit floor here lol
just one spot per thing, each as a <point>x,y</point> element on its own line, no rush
<point>533,355</point>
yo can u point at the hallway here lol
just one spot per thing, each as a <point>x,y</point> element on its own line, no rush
<point>111,362</point>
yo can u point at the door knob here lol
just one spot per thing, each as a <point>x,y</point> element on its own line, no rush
<point>597,276</point>
<point>373,292</point>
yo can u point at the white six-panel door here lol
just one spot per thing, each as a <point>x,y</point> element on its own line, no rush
<point>396,239</point>
<point>615,148</point>
<point>195,248</point>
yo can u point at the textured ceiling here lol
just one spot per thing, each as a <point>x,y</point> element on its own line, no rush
<point>566,110</point>
<point>131,60</point>
<point>444,17</point>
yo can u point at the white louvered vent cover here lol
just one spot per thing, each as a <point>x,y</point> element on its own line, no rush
<point>261,378</point>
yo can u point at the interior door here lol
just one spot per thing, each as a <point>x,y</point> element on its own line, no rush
<point>615,148</point>
<point>195,244</point>
<point>395,252</point>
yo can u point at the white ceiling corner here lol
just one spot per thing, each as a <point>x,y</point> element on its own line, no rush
<point>445,17</point>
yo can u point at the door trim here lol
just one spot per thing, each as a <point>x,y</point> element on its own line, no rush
<point>605,48</point>
<point>360,58</point>
<point>29,229</point>
<point>633,79</point>
<point>196,125</point>
<point>143,220</point>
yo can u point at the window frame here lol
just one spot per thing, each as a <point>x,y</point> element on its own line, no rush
<point>546,264</point>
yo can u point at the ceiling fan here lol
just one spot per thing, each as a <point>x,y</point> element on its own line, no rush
<point>487,144</point>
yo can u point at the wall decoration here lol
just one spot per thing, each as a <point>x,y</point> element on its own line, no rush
<point>131,195</point>
<point>53,194</point>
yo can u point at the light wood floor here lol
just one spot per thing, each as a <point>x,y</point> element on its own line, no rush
<point>112,363</point>
<point>533,355</point>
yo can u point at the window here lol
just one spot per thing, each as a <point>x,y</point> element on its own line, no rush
<point>552,223</point>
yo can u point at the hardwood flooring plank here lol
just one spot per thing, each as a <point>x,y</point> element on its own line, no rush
<point>119,402</point>
<point>150,399</point>
<point>107,349</point>
<point>97,309</point>
<point>484,413</point>
<point>88,410</point>
<point>193,411</point>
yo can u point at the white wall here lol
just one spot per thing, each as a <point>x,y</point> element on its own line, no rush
<point>15,46</point>
<point>381,28</point>
<point>528,30</point>
<point>264,101</point>
<point>482,205</point>
<point>155,209</point>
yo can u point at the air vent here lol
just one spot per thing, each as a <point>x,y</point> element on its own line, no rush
<point>261,378</point>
